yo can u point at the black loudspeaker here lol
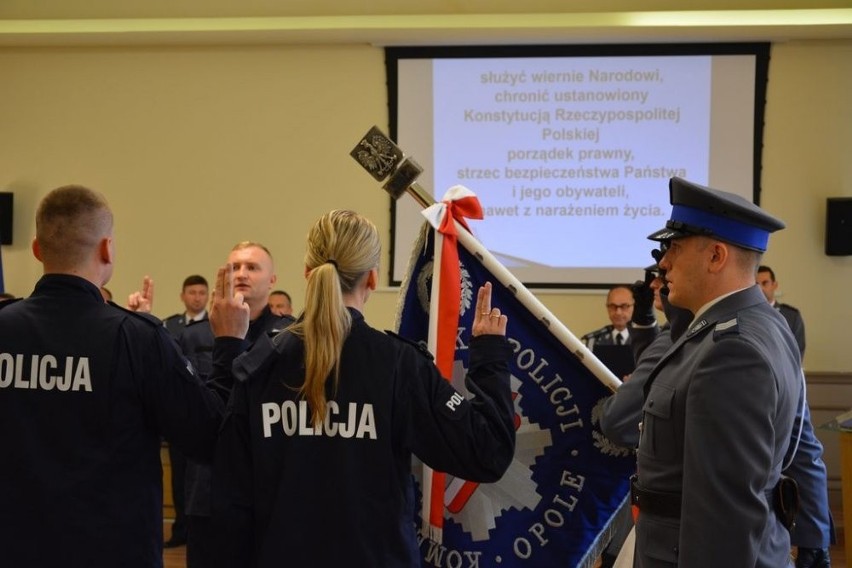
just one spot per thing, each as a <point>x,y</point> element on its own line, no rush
<point>838,226</point>
<point>5,218</point>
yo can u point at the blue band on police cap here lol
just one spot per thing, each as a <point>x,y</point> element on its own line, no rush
<point>725,228</point>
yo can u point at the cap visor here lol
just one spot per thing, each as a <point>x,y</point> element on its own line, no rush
<point>667,235</point>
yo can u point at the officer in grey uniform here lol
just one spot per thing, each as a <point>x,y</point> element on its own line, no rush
<point>721,403</point>
<point>813,532</point>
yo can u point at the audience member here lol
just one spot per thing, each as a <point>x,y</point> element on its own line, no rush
<point>366,402</point>
<point>721,402</point>
<point>194,296</point>
<point>96,387</point>
<point>766,280</point>
<point>280,303</point>
<point>619,307</point>
<point>253,279</point>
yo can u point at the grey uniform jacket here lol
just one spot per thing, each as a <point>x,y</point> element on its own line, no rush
<point>717,423</point>
<point>622,412</point>
<point>796,323</point>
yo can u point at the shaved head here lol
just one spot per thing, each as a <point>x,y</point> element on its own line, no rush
<point>70,222</point>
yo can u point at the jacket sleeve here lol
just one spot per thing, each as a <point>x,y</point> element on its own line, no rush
<point>232,522</point>
<point>470,438</point>
<point>814,527</point>
<point>622,412</point>
<point>187,413</point>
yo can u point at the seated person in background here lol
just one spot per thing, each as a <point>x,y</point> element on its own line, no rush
<point>6,296</point>
<point>194,294</point>
<point>280,303</point>
<point>619,307</point>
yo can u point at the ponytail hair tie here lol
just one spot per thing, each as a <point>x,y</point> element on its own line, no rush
<point>332,262</point>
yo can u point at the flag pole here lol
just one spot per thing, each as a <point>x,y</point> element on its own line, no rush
<point>382,158</point>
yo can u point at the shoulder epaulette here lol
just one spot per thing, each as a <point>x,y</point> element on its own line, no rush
<point>788,307</point>
<point>598,332</point>
<point>150,319</point>
<point>283,323</point>
<point>419,346</point>
<point>727,327</point>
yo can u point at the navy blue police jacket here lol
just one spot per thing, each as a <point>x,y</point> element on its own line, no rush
<point>343,494</point>
<point>87,389</point>
<point>197,343</point>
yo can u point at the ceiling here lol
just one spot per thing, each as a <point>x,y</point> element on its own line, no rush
<point>416,22</point>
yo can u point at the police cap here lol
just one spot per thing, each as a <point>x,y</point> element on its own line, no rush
<point>699,210</point>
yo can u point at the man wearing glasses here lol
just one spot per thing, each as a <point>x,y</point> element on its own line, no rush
<point>619,307</point>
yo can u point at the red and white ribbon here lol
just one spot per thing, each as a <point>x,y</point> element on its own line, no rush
<point>459,203</point>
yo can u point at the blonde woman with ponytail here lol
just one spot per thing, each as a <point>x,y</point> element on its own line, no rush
<point>314,456</point>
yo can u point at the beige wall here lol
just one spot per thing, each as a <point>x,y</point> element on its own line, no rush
<point>198,148</point>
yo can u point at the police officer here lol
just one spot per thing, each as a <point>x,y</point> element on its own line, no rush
<point>87,389</point>
<point>194,294</point>
<point>767,282</point>
<point>315,456</point>
<point>720,405</point>
<point>621,414</point>
<point>619,308</point>
<point>254,277</point>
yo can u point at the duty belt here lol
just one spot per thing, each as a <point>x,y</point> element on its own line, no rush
<point>654,502</point>
<point>783,499</point>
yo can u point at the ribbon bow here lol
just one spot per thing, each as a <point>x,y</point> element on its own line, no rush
<point>458,203</point>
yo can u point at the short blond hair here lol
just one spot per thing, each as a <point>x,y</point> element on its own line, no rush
<point>70,222</point>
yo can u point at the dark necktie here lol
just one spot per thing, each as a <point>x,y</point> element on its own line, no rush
<point>619,339</point>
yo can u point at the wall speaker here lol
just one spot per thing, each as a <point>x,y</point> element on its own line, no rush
<point>838,226</point>
<point>5,218</point>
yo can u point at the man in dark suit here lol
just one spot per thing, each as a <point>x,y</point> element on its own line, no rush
<point>766,280</point>
<point>720,404</point>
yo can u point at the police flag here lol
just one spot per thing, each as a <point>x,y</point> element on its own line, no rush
<point>556,503</point>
